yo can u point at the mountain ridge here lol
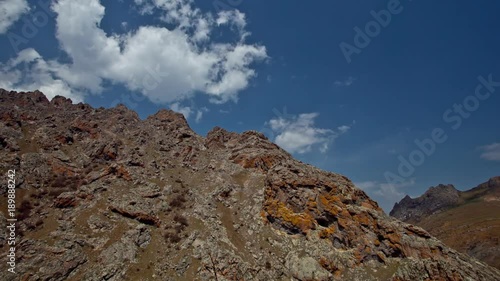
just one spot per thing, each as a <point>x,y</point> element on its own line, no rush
<point>115,197</point>
<point>468,221</point>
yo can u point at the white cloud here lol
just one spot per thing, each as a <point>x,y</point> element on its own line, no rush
<point>367,185</point>
<point>491,152</point>
<point>345,83</point>
<point>29,72</point>
<point>344,128</point>
<point>199,114</point>
<point>298,134</point>
<point>145,7</point>
<point>386,194</point>
<point>181,12</point>
<point>389,191</point>
<point>233,18</point>
<point>10,12</point>
<point>186,111</point>
<point>166,65</point>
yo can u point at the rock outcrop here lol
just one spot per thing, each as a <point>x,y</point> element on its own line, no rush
<point>434,200</point>
<point>468,221</point>
<point>104,195</point>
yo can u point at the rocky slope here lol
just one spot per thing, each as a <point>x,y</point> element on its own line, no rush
<point>468,221</point>
<point>103,195</point>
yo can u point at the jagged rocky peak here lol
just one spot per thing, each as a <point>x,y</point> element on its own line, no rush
<point>59,101</point>
<point>222,136</point>
<point>443,196</point>
<point>113,197</point>
<point>441,189</point>
<point>171,121</point>
<point>166,115</point>
<point>494,182</point>
<point>35,97</point>
<point>219,137</point>
<point>468,221</point>
<point>435,199</point>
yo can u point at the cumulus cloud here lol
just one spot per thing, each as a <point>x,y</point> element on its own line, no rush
<point>345,83</point>
<point>189,111</point>
<point>29,71</point>
<point>298,134</point>
<point>234,18</point>
<point>186,111</point>
<point>145,7</point>
<point>10,12</point>
<point>167,65</point>
<point>491,152</point>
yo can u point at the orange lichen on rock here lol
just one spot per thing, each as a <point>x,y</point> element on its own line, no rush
<point>278,210</point>
<point>330,266</point>
<point>263,215</point>
<point>263,163</point>
<point>364,219</point>
<point>343,223</point>
<point>370,205</point>
<point>327,232</point>
<point>361,253</point>
<point>312,206</point>
<point>329,203</point>
<point>394,238</point>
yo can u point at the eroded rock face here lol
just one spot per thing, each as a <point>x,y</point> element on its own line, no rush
<point>151,200</point>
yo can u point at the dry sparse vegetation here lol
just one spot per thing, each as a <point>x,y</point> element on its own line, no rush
<point>178,201</point>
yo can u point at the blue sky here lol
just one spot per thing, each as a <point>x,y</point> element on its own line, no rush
<point>406,69</point>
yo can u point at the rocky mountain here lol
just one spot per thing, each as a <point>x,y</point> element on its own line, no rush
<point>104,195</point>
<point>468,221</point>
<point>434,200</point>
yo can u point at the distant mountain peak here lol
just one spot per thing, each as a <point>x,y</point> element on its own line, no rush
<point>467,220</point>
<point>435,199</point>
